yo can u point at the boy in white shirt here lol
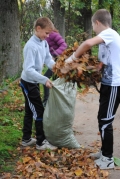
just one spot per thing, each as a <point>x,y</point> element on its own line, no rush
<point>109,56</point>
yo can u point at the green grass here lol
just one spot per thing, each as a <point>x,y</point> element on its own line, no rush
<point>11,117</point>
<point>10,137</point>
<point>11,122</point>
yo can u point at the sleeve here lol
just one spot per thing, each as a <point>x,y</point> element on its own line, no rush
<point>49,62</point>
<point>60,43</point>
<point>107,36</point>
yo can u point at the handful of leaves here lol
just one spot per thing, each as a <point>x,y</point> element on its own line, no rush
<point>83,70</point>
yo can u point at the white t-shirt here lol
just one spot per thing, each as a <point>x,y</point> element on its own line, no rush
<point>109,54</point>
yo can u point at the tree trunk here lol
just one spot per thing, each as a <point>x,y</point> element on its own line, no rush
<point>59,17</point>
<point>87,22</point>
<point>87,15</point>
<point>10,60</point>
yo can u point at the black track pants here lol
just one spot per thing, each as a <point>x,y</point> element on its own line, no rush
<point>108,104</point>
<point>33,110</point>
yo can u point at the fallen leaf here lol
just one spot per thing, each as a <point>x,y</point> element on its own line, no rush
<point>79,172</point>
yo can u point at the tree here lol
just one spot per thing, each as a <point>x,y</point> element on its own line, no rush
<point>86,15</point>
<point>59,17</point>
<point>10,59</point>
<point>29,12</point>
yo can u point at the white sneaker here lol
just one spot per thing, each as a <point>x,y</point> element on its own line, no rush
<point>31,141</point>
<point>96,155</point>
<point>105,162</point>
<point>46,145</point>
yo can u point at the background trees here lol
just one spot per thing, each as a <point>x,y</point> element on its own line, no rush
<point>71,17</point>
<point>59,16</point>
<point>10,60</point>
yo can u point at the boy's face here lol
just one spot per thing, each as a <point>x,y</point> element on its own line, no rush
<point>42,33</point>
<point>95,26</point>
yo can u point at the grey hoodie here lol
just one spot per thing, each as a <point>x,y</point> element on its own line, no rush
<point>36,54</point>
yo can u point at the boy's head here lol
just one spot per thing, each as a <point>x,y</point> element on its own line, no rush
<point>102,16</point>
<point>43,26</point>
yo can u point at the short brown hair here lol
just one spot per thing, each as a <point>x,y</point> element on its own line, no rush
<point>103,16</point>
<point>44,22</point>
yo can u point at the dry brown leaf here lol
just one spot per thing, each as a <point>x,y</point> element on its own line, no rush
<point>78,172</point>
<point>26,159</point>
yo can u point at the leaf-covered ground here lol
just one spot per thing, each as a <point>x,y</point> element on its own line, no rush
<point>30,163</point>
<point>59,164</point>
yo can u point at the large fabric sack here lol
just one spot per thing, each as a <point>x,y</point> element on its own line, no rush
<point>59,114</point>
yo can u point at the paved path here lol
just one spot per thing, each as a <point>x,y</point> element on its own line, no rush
<point>85,123</point>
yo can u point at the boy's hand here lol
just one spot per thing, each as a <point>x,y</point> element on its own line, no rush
<point>71,58</point>
<point>48,84</point>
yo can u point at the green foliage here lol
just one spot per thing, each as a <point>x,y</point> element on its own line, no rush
<point>74,4</point>
<point>116,17</point>
<point>29,12</point>
<point>117,161</point>
<point>33,9</point>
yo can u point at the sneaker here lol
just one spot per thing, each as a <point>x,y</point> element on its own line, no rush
<point>105,162</point>
<point>46,145</point>
<point>96,155</point>
<point>31,141</point>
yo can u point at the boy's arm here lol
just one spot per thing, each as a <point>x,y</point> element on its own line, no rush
<point>49,62</point>
<point>85,46</point>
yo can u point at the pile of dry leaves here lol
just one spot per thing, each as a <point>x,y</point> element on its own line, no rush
<point>83,71</point>
<point>59,164</point>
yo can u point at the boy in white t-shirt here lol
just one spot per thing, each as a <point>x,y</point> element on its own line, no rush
<point>109,56</point>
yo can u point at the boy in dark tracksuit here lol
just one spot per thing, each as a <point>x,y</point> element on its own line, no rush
<point>36,54</point>
<point>109,55</point>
